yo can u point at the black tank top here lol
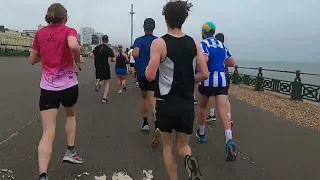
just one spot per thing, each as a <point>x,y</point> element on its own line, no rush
<point>176,72</point>
<point>121,61</point>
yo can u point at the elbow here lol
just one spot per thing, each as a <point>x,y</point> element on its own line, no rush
<point>205,75</point>
<point>150,76</point>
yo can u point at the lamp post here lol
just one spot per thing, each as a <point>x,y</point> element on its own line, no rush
<point>132,13</point>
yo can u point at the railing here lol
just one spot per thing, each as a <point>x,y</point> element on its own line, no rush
<point>295,89</point>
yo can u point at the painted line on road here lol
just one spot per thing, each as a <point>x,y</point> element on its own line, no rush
<point>18,130</point>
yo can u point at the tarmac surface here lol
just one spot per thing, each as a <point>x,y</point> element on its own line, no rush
<point>111,143</point>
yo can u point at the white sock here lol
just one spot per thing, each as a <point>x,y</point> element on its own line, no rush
<point>211,111</point>
<point>229,115</point>
<point>228,134</point>
<point>202,129</point>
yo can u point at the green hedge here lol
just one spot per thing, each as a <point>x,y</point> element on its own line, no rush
<point>14,54</point>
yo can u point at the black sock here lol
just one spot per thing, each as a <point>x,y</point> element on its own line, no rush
<point>70,148</point>
<point>145,121</point>
<point>43,175</point>
<point>156,125</point>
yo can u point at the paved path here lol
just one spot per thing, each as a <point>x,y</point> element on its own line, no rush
<point>110,141</point>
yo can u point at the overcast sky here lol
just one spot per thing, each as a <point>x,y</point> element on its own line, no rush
<point>276,30</point>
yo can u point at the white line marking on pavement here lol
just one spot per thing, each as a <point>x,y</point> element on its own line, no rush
<point>17,131</point>
<point>7,174</point>
<point>104,177</point>
<point>147,175</point>
<point>121,176</point>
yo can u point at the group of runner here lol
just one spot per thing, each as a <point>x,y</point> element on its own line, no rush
<point>167,70</point>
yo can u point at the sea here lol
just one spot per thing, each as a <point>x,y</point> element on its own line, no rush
<point>304,67</point>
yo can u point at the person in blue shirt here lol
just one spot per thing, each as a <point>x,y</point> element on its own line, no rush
<point>141,52</point>
<point>212,116</point>
<point>218,56</point>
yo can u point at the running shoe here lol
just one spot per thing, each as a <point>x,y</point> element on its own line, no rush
<point>72,157</point>
<point>120,91</point>
<point>104,100</point>
<point>125,88</point>
<point>211,118</point>
<point>195,102</point>
<point>156,138</point>
<point>137,84</point>
<point>231,151</point>
<point>202,138</point>
<point>134,81</point>
<point>98,85</point>
<point>145,127</point>
<point>193,168</point>
<point>44,178</point>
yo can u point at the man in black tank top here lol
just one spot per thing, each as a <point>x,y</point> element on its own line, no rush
<point>175,55</point>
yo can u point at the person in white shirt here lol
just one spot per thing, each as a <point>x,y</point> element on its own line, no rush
<point>132,67</point>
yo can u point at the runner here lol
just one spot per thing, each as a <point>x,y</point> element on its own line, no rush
<point>141,52</point>
<point>127,62</point>
<point>56,47</point>
<point>101,55</point>
<point>217,56</point>
<point>121,69</point>
<point>212,116</point>
<point>175,55</point>
<point>131,62</point>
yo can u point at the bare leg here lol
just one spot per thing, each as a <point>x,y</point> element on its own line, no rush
<point>106,88</point>
<point>168,155</point>
<point>49,118</point>
<point>221,102</point>
<point>202,109</point>
<point>71,125</point>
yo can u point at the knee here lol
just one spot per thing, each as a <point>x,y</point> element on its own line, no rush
<point>48,135</point>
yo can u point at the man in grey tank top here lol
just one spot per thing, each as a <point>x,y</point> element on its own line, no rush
<point>175,55</point>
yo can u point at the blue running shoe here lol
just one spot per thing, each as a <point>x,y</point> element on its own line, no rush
<point>231,151</point>
<point>202,138</point>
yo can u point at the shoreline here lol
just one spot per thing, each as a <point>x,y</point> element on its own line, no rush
<point>303,113</point>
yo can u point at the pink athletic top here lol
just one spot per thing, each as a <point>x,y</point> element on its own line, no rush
<point>58,71</point>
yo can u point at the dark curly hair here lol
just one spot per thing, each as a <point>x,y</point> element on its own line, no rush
<point>56,14</point>
<point>176,12</point>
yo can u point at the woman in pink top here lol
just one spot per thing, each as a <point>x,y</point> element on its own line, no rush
<point>56,47</point>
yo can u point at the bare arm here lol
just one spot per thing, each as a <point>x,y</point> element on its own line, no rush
<point>135,52</point>
<point>34,57</point>
<point>92,55</point>
<point>126,56</point>
<point>155,59</point>
<point>75,48</point>
<point>203,73</point>
<point>230,62</point>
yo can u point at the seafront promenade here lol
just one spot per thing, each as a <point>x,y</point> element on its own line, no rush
<point>111,144</point>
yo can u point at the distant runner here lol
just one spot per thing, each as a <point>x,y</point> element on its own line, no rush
<point>217,56</point>
<point>175,56</point>
<point>141,52</point>
<point>101,55</point>
<point>56,47</point>
<point>121,69</point>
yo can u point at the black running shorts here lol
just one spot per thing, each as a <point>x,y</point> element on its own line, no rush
<point>131,64</point>
<point>145,85</point>
<point>213,91</point>
<point>175,116</point>
<point>103,73</point>
<point>53,99</point>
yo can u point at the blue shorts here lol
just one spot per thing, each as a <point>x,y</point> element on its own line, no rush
<point>121,71</point>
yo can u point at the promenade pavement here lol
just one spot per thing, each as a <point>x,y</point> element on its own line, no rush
<point>111,144</point>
